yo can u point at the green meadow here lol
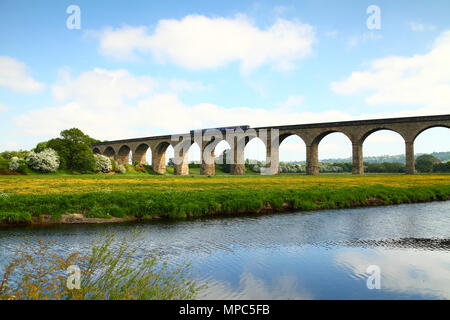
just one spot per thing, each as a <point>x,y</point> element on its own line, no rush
<point>145,196</point>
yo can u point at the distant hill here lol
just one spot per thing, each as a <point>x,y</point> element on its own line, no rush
<point>443,156</point>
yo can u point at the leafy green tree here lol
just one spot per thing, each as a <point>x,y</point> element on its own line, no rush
<point>41,146</point>
<point>441,167</point>
<point>8,155</point>
<point>74,149</point>
<point>425,163</point>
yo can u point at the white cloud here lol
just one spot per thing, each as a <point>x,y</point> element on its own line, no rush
<point>292,101</point>
<point>180,85</point>
<point>251,287</point>
<point>102,88</point>
<point>415,26</point>
<point>199,42</point>
<point>408,271</point>
<point>3,107</point>
<point>14,76</point>
<point>419,80</point>
<point>115,104</point>
<point>156,114</point>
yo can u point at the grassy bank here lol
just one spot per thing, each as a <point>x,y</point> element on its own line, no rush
<point>144,196</point>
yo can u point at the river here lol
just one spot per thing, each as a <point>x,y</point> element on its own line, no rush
<point>313,255</point>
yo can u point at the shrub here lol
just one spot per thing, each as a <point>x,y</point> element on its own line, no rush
<point>14,164</point>
<point>115,211</point>
<point>45,161</point>
<point>121,169</point>
<point>286,167</point>
<point>4,166</point>
<point>441,167</point>
<point>102,163</point>
<point>385,167</point>
<point>17,165</point>
<point>140,168</point>
<point>424,163</point>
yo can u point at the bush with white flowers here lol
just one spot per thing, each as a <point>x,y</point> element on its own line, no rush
<point>14,164</point>
<point>102,163</point>
<point>45,161</point>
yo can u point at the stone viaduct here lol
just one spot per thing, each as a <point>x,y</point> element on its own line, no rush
<point>357,131</point>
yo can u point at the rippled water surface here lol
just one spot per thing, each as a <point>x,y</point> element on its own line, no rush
<point>315,255</point>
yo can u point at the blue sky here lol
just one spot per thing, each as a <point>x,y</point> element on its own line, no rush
<point>139,68</point>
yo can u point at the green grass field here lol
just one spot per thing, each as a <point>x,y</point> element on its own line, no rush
<point>142,195</point>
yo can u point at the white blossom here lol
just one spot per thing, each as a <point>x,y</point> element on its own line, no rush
<point>102,163</point>
<point>45,161</point>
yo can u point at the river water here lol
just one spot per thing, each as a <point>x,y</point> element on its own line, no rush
<point>314,255</point>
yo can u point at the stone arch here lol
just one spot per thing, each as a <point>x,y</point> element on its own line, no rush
<point>162,147</point>
<point>123,155</point>
<point>96,150</point>
<point>255,147</point>
<point>110,152</point>
<point>323,134</point>
<point>373,130</point>
<point>335,138</point>
<point>159,157</point>
<point>432,139</point>
<point>208,154</point>
<point>248,139</point>
<point>219,148</point>
<point>194,150</point>
<point>380,131</point>
<point>409,146</point>
<point>243,137</point>
<point>140,153</point>
<point>312,149</point>
<point>286,135</point>
<point>318,139</point>
<point>429,127</point>
<point>292,138</point>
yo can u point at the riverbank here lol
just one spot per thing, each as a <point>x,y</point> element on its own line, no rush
<point>104,199</point>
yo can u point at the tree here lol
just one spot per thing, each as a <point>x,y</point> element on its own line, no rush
<point>442,167</point>
<point>74,149</point>
<point>425,163</point>
<point>17,165</point>
<point>8,155</point>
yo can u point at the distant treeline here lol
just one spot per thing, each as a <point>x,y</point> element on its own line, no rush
<point>442,156</point>
<point>426,163</point>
